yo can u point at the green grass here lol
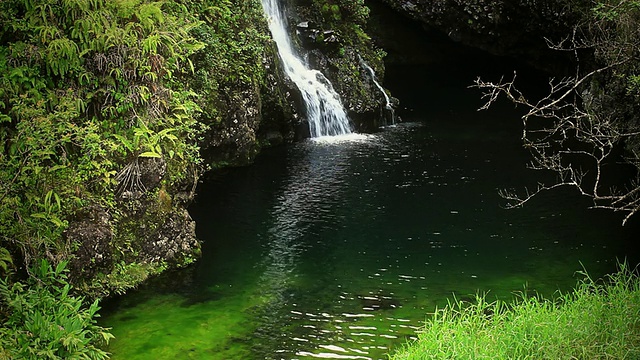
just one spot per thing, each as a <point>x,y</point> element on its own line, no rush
<point>598,320</point>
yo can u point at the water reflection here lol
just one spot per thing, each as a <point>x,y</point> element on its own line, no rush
<point>302,210</point>
<point>365,237</point>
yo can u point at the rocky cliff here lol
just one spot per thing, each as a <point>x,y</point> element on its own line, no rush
<point>108,121</point>
<point>246,103</point>
<point>511,28</point>
<point>333,35</point>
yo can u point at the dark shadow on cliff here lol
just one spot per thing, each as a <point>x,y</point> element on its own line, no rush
<point>442,84</point>
<point>431,73</point>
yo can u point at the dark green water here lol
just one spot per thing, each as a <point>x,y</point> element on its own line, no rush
<point>340,250</point>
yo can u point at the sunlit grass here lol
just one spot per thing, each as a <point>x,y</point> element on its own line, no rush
<point>598,320</point>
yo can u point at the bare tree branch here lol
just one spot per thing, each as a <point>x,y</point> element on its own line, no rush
<point>566,133</point>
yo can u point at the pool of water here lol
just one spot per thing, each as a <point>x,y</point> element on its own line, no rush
<point>340,249</point>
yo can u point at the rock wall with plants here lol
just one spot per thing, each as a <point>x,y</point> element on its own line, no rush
<point>110,111</point>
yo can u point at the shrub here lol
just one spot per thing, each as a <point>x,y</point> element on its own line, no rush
<point>46,322</point>
<point>87,88</point>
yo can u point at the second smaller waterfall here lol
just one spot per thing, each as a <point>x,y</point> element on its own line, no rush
<point>388,105</point>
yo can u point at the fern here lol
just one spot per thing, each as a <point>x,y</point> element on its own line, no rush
<point>45,321</point>
<point>6,262</point>
<point>62,56</point>
<point>149,15</point>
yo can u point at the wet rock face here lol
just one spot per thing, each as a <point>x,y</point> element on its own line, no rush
<point>173,242</point>
<point>154,231</point>
<point>362,99</point>
<point>337,47</point>
<point>91,228</point>
<point>152,228</point>
<point>280,100</point>
<point>254,116</point>
<point>515,28</point>
<point>234,139</point>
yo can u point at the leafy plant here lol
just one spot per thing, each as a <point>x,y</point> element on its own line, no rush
<point>356,10</point>
<point>634,85</point>
<point>46,322</point>
<point>612,10</point>
<point>87,87</point>
<point>6,262</point>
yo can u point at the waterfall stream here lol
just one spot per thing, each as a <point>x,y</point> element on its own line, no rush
<point>388,105</point>
<point>326,115</point>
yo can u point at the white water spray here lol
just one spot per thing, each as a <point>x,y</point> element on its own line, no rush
<point>325,112</point>
<point>388,105</point>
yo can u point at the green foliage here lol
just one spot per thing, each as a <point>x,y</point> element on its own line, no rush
<point>46,322</point>
<point>86,88</point>
<point>332,12</point>
<point>125,276</point>
<point>633,87</point>
<point>346,17</point>
<point>612,28</point>
<point>612,10</point>
<point>6,261</point>
<point>596,321</point>
<point>335,11</point>
<point>356,10</point>
<point>235,37</point>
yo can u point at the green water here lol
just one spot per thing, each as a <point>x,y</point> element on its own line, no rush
<point>340,250</point>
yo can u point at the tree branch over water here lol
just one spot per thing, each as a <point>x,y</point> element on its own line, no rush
<point>573,132</point>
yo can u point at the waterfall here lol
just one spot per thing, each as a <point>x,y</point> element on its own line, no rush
<point>388,105</point>
<point>327,116</point>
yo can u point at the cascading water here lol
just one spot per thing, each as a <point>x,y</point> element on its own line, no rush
<point>388,105</point>
<point>325,112</point>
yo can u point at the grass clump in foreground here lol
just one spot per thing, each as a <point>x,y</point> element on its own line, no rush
<point>598,320</point>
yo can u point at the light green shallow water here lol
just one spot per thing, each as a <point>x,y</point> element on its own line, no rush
<point>340,250</point>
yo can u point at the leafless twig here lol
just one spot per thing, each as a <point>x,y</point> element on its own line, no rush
<point>561,132</point>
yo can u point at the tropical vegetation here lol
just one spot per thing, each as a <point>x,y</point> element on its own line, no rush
<point>89,89</point>
<point>93,91</point>
<point>93,94</point>
<point>44,321</point>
